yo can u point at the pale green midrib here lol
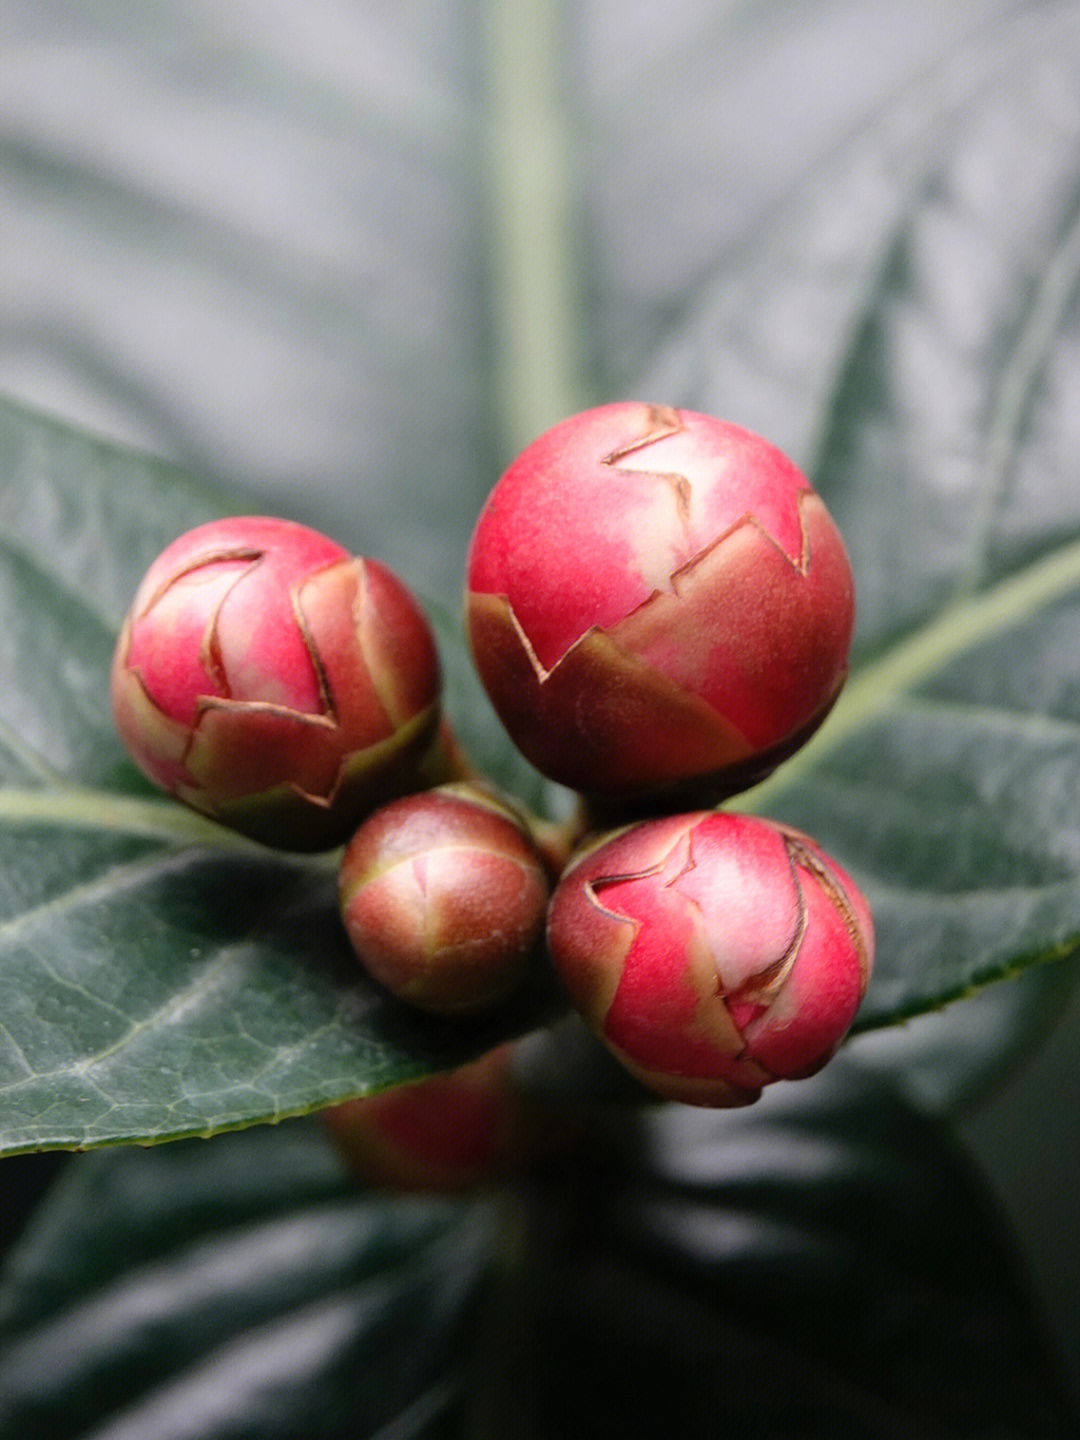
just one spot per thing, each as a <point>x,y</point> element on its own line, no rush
<point>959,628</point>
<point>529,160</point>
<point>77,807</point>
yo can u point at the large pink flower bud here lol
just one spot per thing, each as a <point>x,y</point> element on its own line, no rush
<point>712,953</point>
<point>443,896</point>
<point>657,600</point>
<point>273,681</point>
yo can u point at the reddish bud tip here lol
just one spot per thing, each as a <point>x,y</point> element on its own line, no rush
<point>452,1132</point>
<point>443,896</point>
<point>269,679</point>
<point>712,953</point>
<point>657,601</point>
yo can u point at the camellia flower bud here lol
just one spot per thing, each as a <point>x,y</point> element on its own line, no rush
<point>269,679</point>
<point>443,896</point>
<point>712,953</point>
<point>657,601</point>
<point>452,1132</point>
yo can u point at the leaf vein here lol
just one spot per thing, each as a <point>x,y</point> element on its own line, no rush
<point>960,627</point>
<point>113,881</point>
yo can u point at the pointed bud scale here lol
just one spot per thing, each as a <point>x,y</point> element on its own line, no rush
<point>712,953</point>
<point>271,680</point>
<point>443,896</point>
<point>657,603</point>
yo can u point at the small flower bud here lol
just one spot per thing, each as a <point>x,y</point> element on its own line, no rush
<point>657,602</point>
<point>269,679</point>
<point>712,953</point>
<point>453,1132</point>
<point>443,897</point>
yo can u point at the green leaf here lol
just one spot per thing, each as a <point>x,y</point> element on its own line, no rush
<point>890,293</point>
<point>242,1289</point>
<point>908,333</point>
<point>262,260</point>
<point>158,975</point>
<point>824,1264</point>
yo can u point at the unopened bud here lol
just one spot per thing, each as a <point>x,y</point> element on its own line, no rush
<point>269,679</point>
<point>712,953</point>
<point>468,1127</point>
<point>658,603</point>
<point>443,897</point>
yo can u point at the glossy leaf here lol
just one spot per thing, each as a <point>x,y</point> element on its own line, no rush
<point>941,442</point>
<point>159,975</point>
<point>822,1265</point>
<point>863,293</point>
<point>261,258</point>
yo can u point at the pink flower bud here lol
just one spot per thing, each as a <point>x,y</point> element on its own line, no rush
<point>267,678</point>
<point>452,1132</point>
<point>443,896</point>
<point>657,599</point>
<point>712,953</point>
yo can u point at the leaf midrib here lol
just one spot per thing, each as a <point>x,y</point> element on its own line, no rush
<point>80,807</point>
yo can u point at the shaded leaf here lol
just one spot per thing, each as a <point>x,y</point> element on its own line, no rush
<point>822,1264</point>
<point>261,259</point>
<point>237,1289</point>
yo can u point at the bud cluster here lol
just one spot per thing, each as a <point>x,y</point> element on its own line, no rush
<point>660,608</point>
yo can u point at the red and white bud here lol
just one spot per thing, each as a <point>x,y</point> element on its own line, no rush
<point>273,681</point>
<point>712,953</point>
<point>443,896</point>
<point>657,602</point>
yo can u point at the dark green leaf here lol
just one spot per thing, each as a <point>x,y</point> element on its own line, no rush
<point>906,325</point>
<point>238,1289</point>
<point>158,976</point>
<point>821,1265</point>
<point>890,293</point>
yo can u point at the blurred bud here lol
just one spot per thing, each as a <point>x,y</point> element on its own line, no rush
<point>452,1132</point>
<point>712,953</point>
<point>269,679</point>
<point>443,897</point>
<point>657,602</point>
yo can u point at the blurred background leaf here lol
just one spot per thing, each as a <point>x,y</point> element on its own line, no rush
<point>693,1273</point>
<point>241,1289</point>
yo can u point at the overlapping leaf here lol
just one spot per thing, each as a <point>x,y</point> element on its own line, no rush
<point>823,1265</point>
<point>898,309</point>
<point>237,1289</point>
